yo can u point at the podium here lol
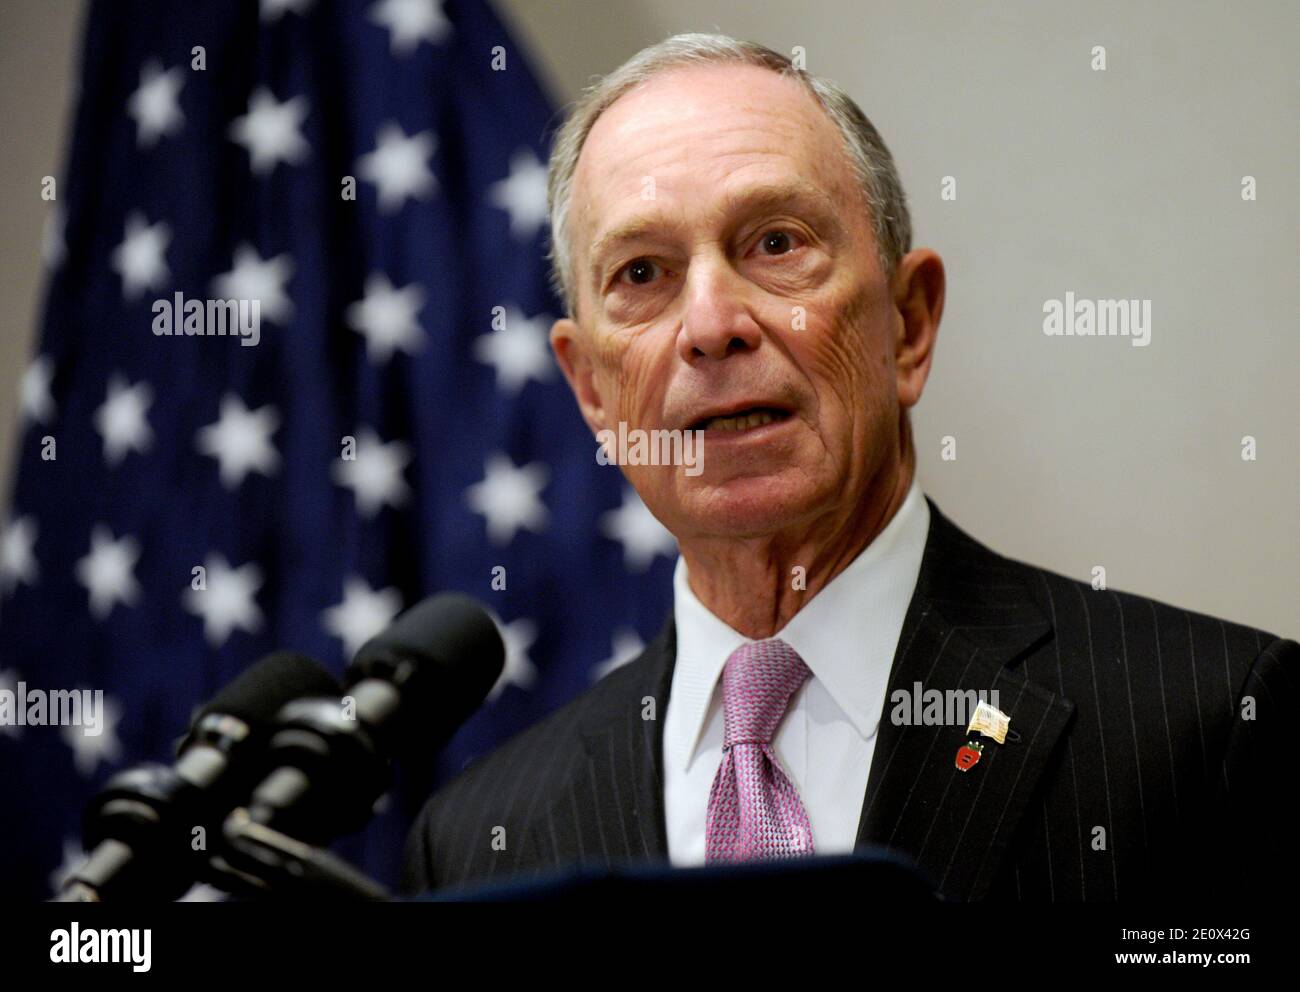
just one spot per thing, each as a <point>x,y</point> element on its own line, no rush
<point>886,874</point>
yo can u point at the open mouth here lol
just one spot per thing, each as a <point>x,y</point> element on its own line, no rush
<point>747,419</point>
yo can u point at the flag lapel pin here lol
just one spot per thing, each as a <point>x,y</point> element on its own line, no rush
<point>989,721</point>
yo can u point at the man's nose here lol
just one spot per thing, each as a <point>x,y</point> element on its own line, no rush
<point>716,322</point>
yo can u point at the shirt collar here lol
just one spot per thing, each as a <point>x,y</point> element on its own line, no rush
<point>847,634</point>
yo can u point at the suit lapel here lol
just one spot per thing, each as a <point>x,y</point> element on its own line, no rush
<point>617,808</point>
<point>971,619</point>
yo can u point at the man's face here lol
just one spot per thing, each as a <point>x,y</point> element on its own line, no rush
<point>724,264</point>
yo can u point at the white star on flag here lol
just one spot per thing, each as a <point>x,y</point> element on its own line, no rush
<point>627,644</point>
<point>74,857</point>
<point>272,10</point>
<point>37,404</point>
<point>141,257</point>
<point>409,22</point>
<point>375,473</point>
<point>54,249</point>
<point>154,104</point>
<point>107,571</point>
<point>399,166</point>
<point>270,130</point>
<point>256,278</point>
<point>226,604</point>
<point>641,535</point>
<point>89,751</point>
<point>386,317</point>
<point>240,440</point>
<point>509,497</point>
<point>363,613</point>
<point>518,349</point>
<point>17,562</point>
<point>519,670</point>
<point>9,683</point>
<point>121,419</point>
<point>522,194</point>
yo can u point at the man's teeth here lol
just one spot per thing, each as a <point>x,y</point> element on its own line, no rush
<point>742,423</point>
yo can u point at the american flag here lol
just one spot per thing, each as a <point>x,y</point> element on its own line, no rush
<point>372,173</point>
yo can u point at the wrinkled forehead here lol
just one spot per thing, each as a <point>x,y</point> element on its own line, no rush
<point>690,135</point>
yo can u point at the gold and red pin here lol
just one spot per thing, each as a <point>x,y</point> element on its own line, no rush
<point>988,721</point>
<point>968,755</point>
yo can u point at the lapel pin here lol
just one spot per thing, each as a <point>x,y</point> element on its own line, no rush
<point>968,755</point>
<point>989,721</point>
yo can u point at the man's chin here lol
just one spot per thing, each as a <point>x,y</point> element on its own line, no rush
<point>752,506</point>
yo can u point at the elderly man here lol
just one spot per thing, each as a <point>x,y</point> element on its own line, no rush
<point>733,246</point>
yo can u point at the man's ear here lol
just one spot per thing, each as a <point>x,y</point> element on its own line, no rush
<point>571,353</point>
<point>918,287</point>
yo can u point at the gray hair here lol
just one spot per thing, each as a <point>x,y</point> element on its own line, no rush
<point>868,155</point>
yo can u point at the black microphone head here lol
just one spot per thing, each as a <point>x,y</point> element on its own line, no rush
<point>139,824</point>
<point>257,693</point>
<point>444,654</point>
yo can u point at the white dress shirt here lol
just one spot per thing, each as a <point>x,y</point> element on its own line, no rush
<point>846,635</point>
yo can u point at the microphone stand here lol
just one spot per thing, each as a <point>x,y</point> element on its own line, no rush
<point>328,772</point>
<point>259,861</point>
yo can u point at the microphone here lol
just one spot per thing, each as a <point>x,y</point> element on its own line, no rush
<point>141,828</point>
<point>408,687</point>
<point>424,676</point>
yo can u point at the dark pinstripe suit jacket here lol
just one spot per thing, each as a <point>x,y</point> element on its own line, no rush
<point>1153,758</point>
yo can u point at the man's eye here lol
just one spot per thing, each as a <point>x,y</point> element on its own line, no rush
<point>639,272</point>
<point>776,243</point>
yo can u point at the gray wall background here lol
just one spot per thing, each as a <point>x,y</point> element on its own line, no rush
<point>1071,452</point>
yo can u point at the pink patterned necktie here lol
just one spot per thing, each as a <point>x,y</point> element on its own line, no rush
<point>754,810</point>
